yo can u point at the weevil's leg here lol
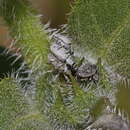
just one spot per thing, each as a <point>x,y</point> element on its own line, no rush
<point>67,57</point>
<point>74,67</point>
<point>70,52</point>
<point>56,40</point>
<point>96,79</point>
<point>90,78</point>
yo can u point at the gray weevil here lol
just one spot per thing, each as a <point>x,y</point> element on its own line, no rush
<point>62,58</point>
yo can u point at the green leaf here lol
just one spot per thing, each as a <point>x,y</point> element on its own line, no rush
<point>15,111</point>
<point>26,30</point>
<point>103,27</point>
<point>123,96</point>
<point>12,103</point>
<point>32,121</point>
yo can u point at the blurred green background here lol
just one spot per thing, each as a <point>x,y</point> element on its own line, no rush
<point>54,11</point>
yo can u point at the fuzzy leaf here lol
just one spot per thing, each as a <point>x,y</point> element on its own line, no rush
<point>26,30</point>
<point>103,27</point>
<point>12,103</point>
<point>122,96</point>
<point>15,111</point>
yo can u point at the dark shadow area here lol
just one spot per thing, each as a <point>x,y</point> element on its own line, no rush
<point>9,65</point>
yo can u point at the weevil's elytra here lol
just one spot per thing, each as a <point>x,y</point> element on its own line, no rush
<point>62,51</point>
<point>62,58</point>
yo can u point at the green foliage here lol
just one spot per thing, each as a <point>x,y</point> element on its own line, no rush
<point>26,30</point>
<point>63,105</point>
<point>51,103</point>
<point>98,108</point>
<point>104,81</point>
<point>15,110</point>
<point>122,95</point>
<point>102,27</point>
<point>33,121</point>
<point>12,103</point>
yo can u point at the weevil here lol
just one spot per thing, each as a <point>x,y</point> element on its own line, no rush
<point>63,59</point>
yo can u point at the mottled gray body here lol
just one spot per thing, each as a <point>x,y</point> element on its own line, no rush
<point>61,54</point>
<point>62,58</point>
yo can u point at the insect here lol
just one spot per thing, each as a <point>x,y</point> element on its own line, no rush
<point>63,59</point>
<point>87,72</point>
